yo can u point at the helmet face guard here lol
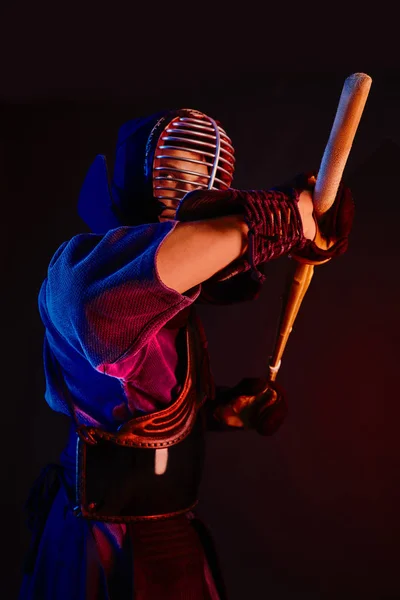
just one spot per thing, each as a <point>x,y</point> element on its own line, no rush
<point>192,152</point>
<point>159,158</point>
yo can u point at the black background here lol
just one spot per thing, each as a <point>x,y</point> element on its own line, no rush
<point>312,512</point>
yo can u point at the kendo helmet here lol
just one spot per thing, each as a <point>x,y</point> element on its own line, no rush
<point>158,160</point>
<point>193,151</point>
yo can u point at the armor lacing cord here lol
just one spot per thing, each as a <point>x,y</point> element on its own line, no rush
<point>275,226</point>
<point>273,218</point>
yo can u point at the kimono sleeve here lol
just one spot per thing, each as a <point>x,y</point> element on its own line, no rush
<point>103,294</point>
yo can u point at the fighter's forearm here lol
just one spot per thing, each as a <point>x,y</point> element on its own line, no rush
<point>195,251</point>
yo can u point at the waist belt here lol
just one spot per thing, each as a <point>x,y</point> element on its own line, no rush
<point>119,482</point>
<point>151,467</point>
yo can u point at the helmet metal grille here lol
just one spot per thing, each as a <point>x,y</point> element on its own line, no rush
<point>192,140</point>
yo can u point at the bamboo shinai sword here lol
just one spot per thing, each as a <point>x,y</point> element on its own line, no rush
<point>348,114</point>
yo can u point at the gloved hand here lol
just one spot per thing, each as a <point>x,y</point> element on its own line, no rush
<point>333,227</point>
<point>254,403</point>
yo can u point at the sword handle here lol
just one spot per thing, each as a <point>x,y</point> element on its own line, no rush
<point>348,114</point>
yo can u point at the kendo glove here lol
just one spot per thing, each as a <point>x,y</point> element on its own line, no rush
<point>333,227</point>
<point>273,218</point>
<point>254,403</point>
